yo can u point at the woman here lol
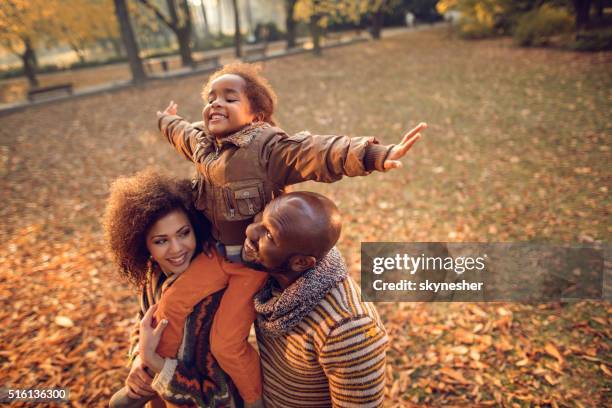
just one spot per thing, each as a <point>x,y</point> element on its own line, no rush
<point>153,232</point>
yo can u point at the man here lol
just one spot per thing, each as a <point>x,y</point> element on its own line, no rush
<point>319,344</point>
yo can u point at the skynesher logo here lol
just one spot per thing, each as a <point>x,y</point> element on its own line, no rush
<point>412,264</point>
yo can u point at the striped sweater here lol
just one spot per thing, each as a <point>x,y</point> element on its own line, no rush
<point>335,356</point>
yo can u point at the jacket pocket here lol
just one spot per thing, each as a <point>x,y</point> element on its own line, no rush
<point>243,199</point>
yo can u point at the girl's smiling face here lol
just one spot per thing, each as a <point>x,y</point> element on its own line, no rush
<point>227,109</point>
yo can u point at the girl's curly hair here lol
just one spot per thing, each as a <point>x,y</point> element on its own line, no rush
<point>258,90</point>
<point>134,205</point>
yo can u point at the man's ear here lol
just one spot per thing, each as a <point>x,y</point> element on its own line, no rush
<point>301,263</point>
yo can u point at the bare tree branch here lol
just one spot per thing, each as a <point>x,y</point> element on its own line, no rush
<point>158,13</point>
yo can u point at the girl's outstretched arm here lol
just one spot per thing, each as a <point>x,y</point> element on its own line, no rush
<point>180,133</point>
<point>327,158</point>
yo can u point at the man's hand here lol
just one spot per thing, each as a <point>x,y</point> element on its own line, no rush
<point>149,339</point>
<point>398,151</point>
<point>138,381</point>
<point>172,109</point>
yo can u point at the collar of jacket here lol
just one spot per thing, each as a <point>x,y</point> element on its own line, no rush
<point>240,138</point>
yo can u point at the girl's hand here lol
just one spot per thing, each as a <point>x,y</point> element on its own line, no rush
<point>172,109</point>
<point>138,381</point>
<point>149,339</point>
<point>398,151</point>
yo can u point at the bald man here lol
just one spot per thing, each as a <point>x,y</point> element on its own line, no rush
<point>320,345</point>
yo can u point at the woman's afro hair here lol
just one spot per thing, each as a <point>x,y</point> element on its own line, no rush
<point>134,205</point>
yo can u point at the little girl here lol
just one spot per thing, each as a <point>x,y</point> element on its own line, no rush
<point>242,162</point>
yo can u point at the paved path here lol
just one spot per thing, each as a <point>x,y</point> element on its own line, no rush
<point>276,49</point>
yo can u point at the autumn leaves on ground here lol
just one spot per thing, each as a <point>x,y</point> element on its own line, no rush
<point>517,150</point>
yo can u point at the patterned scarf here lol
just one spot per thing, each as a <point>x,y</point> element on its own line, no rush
<point>277,314</point>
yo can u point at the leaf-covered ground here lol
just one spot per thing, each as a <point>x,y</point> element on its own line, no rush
<point>517,150</point>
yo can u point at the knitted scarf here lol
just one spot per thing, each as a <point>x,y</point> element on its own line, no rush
<point>278,314</point>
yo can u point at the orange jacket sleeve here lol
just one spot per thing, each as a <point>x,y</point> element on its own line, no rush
<point>203,277</point>
<point>230,331</point>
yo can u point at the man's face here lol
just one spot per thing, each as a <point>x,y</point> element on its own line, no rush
<point>270,242</point>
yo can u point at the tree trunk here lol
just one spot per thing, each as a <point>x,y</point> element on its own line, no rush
<point>600,9</point>
<point>237,37</point>
<point>28,59</point>
<point>79,52</point>
<point>183,35</point>
<point>582,8</point>
<point>290,23</point>
<point>204,16</point>
<point>377,23</point>
<point>220,17</point>
<point>315,32</point>
<point>249,16</point>
<point>129,41</point>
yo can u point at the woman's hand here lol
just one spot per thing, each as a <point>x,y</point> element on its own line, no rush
<point>138,381</point>
<point>398,151</point>
<point>208,248</point>
<point>172,109</point>
<point>149,339</point>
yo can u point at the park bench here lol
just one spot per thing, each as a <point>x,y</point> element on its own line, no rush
<point>150,65</point>
<point>209,62</point>
<point>51,89</point>
<point>256,52</point>
<point>333,36</point>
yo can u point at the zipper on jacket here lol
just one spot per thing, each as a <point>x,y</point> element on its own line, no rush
<point>207,162</point>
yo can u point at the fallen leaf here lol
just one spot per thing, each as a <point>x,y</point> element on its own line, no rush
<point>454,374</point>
<point>64,321</point>
<point>551,380</point>
<point>552,350</point>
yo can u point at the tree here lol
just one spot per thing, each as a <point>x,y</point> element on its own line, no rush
<point>220,16</point>
<point>249,16</point>
<point>23,25</point>
<point>179,22</point>
<point>204,16</point>
<point>129,41</point>
<point>290,22</point>
<point>582,8</point>
<point>376,16</point>
<point>237,36</point>
<point>319,13</point>
<point>501,15</point>
<point>83,23</point>
<point>424,10</point>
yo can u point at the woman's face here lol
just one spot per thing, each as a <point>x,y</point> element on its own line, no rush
<point>171,242</point>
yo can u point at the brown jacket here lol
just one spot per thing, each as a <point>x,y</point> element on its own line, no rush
<point>241,173</point>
